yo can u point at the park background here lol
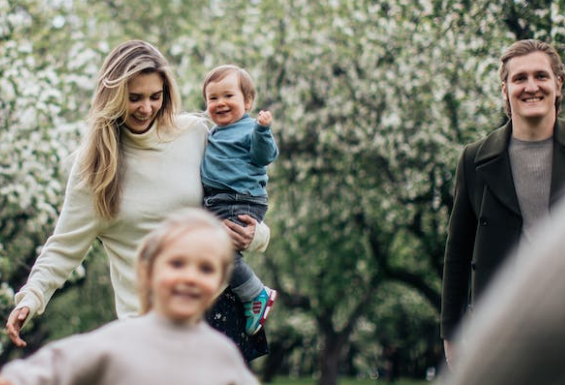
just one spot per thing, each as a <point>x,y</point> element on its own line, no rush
<point>372,100</point>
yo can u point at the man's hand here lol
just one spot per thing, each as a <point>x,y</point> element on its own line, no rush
<point>449,349</point>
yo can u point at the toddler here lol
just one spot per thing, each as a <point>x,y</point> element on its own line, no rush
<point>234,173</point>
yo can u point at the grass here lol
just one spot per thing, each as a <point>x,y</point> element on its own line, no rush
<point>346,381</point>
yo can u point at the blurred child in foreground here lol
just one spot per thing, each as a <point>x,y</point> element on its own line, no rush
<point>182,265</point>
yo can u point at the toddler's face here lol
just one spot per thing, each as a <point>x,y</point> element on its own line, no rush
<point>225,102</point>
<point>187,276</point>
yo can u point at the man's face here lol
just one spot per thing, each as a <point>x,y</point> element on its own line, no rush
<point>531,87</point>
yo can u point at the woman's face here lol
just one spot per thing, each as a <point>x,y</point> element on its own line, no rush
<point>187,275</point>
<point>145,99</point>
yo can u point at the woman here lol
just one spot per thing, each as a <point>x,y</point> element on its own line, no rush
<point>139,162</point>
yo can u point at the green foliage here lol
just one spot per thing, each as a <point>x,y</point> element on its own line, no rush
<point>37,136</point>
<point>376,105</point>
<point>65,315</point>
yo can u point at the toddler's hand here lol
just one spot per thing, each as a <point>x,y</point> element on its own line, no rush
<point>264,118</point>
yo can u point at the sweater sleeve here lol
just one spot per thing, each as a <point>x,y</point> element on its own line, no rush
<point>76,229</point>
<point>261,239</point>
<point>263,149</point>
<point>74,360</point>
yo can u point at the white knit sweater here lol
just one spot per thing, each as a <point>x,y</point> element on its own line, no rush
<point>162,175</point>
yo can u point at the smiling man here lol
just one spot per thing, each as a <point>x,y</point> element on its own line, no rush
<point>505,183</point>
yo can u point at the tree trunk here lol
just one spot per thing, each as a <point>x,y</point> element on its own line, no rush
<point>279,349</point>
<point>330,357</point>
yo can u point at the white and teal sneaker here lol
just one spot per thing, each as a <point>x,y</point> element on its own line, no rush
<point>257,310</point>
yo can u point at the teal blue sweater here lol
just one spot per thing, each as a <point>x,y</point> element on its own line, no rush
<point>237,156</point>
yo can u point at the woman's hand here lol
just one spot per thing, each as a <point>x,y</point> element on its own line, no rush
<point>14,325</point>
<point>241,236</point>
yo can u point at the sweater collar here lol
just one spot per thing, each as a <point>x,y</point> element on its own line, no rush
<point>172,325</point>
<point>234,124</point>
<point>149,139</point>
<point>496,143</point>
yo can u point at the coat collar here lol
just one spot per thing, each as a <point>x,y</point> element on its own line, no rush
<point>493,165</point>
<point>558,172</point>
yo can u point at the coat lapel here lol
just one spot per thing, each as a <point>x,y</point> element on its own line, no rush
<point>493,167</point>
<point>558,166</point>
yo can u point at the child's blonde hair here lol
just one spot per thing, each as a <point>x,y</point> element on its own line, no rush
<point>177,225</point>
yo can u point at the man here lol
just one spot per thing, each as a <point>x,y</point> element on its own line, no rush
<point>506,182</point>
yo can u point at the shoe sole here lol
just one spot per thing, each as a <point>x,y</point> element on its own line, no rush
<point>270,302</point>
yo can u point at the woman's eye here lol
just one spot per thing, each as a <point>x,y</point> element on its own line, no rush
<point>157,95</point>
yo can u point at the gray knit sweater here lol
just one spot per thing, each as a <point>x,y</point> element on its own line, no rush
<point>531,171</point>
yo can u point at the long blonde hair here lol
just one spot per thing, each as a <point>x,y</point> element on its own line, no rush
<point>101,164</point>
<point>175,226</point>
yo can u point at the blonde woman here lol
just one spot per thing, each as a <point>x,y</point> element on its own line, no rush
<point>139,163</point>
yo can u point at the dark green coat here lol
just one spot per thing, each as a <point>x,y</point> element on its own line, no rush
<point>486,222</point>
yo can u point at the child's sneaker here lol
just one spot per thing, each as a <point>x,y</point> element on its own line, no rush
<point>257,310</point>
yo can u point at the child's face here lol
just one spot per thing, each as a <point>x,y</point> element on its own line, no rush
<point>187,275</point>
<point>225,102</point>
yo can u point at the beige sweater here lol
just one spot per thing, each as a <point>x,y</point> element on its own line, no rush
<point>162,176</point>
<point>147,350</point>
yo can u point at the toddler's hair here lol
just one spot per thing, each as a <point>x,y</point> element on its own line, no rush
<point>243,77</point>
<point>173,227</point>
